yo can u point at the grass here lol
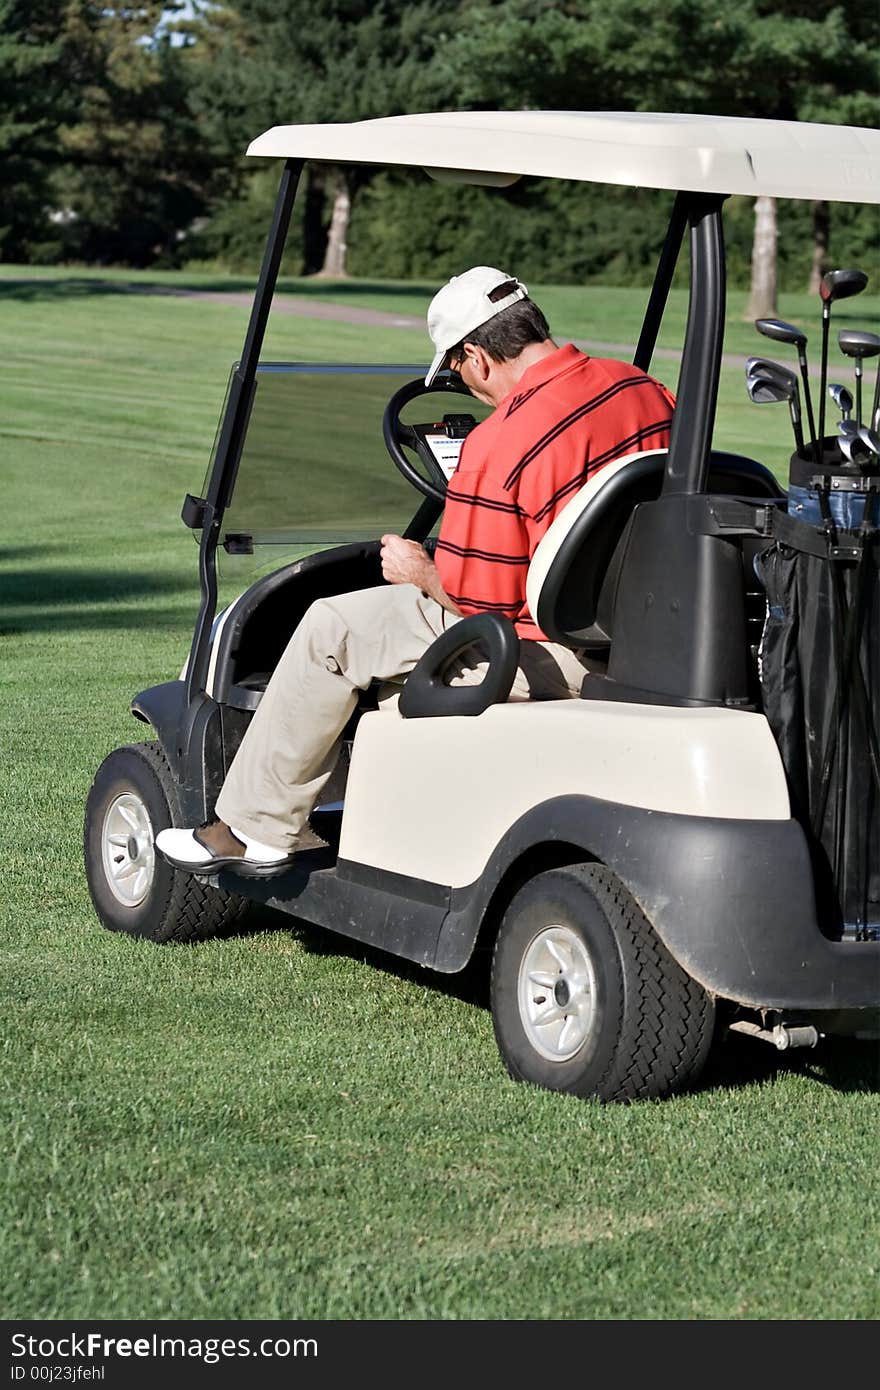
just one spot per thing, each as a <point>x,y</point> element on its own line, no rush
<point>285,1125</point>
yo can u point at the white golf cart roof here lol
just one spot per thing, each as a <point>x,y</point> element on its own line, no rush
<point>708,154</point>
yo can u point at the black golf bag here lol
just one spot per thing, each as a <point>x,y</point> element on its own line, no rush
<point>820,679</point>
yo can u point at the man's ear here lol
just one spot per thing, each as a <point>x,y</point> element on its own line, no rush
<point>482,362</point>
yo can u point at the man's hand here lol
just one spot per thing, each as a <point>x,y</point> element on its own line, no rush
<point>407,562</point>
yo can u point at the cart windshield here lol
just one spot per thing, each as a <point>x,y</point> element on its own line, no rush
<point>314,470</point>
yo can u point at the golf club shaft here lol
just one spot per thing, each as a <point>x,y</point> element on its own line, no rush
<point>808,401</point>
<point>826,325</point>
<point>875,408</point>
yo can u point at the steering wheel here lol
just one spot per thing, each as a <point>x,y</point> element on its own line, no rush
<point>399,436</point>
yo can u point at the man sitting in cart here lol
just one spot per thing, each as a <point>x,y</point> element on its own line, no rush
<point>559,416</point>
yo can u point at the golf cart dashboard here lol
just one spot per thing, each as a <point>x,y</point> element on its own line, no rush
<point>445,439</point>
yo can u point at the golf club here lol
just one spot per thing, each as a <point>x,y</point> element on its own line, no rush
<point>756,365</point>
<point>783,332</point>
<point>854,449</point>
<point>856,343</point>
<point>871,438</point>
<point>769,382</point>
<point>875,408</point>
<point>784,376</point>
<point>835,284</point>
<point>842,399</point>
<point>857,443</point>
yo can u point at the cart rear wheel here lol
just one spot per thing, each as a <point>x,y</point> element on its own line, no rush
<point>585,997</point>
<point>133,889</point>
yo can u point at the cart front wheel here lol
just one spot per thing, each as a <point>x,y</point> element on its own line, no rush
<point>133,889</point>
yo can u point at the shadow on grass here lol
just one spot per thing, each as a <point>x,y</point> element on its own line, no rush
<point>471,985</point>
<point>10,554</point>
<point>413,293</point>
<point>846,1065</point>
<point>59,587</point>
<point>106,620</point>
<point>63,600</point>
<point>25,290</point>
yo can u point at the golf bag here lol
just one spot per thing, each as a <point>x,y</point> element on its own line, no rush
<point>820,680</point>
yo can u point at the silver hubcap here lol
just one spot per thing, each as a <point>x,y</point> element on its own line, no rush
<point>557,993</point>
<point>127,849</point>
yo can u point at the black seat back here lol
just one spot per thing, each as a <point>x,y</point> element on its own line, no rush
<point>575,570</point>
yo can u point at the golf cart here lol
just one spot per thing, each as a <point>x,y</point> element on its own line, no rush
<point>697,836</point>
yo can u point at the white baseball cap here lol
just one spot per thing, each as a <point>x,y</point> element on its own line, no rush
<point>464,304</point>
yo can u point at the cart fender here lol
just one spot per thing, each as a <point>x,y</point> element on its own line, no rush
<point>732,901</point>
<point>192,740</point>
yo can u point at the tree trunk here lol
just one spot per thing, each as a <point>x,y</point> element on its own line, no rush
<point>762,300</point>
<point>337,244</point>
<point>821,236</point>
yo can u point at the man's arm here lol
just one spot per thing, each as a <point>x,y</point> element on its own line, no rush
<point>407,562</point>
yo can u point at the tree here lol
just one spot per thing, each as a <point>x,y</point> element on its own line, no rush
<point>264,64</point>
<point>762,301</point>
<point>99,159</point>
<point>34,99</point>
<point>135,175</point>
<point>783,59</point>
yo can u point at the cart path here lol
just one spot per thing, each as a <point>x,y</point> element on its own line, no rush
<point>381,318</point>
<point>307,308</point>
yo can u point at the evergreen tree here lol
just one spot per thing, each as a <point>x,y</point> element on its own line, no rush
<point>264,65</point>
<point>136,174</point>
<point>34,99</point>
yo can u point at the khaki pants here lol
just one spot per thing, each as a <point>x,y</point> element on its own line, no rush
<point>342,644</point>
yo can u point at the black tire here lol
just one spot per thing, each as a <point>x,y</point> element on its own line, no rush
<point>645,1027</point>
<point>151,899</point>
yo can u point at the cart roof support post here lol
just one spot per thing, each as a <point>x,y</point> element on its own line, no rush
<point>234,428</point>
<point>691,436</point>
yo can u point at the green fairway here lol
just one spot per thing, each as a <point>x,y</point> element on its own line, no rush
<point>283,1124</point>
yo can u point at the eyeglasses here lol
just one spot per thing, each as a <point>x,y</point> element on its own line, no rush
<point>455,364</point>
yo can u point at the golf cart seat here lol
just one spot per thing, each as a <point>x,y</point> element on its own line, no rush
<point>572,580</point>
<point>573,574</point>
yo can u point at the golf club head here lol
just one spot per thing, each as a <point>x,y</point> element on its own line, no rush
<point>781,332</point>
<point>855,342</point>
<point>841,284</point>
<point>755,366</point>
<point>774,383</point>
<point>846,429</point>
<point>841,398</point>
<point>763,391</point>
<point>871,439</point>
<point>774,371</point>
<point>857,450</point>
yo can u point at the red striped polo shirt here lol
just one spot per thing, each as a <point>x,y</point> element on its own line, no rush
<point>567,417</point>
